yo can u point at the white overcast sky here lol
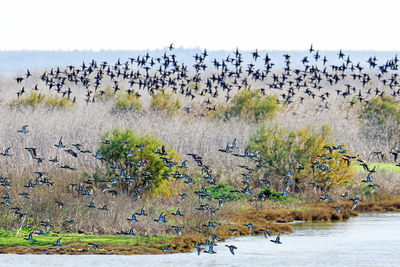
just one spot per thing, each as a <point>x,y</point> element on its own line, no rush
<point>211,24</point>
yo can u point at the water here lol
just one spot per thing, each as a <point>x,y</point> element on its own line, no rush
<point>368,240</point>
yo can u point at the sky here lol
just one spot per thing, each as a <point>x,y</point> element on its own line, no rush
<point>212,24</point>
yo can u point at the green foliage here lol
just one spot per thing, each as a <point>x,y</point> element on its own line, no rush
<point>9,239</point>
<point>381,117</point>
<point>145,169</point>
<point>5,234</point>
<point>380,109</point>
<point>34,100</point>
<point>363,190</point>
<point>165,102</point>
<point>224,190</point>
<point>280,150</point>
<point>271,194</point>
<point>127,102</point>
<point>251,105</point>
<point>380,167</point>
<point>106,94</point>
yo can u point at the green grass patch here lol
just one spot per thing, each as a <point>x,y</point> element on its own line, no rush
<point>380,167</point>
<point>301,208</point>
<point>9,239</point>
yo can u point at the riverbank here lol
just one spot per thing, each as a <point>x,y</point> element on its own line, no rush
<point>311,244</point>
<point>275,220</point>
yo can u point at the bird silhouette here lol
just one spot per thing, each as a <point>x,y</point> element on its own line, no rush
<point>250,226</point>
<point>58,243</point>
<point>6,153</point>
<point>277,239</point>
<point>161,218</point>
<point>24,129</point>
<point>198,247</point>
<point>133,219</point>
<point>231,248</point>
<point>94,245</point>
<point>30,238</point>
<point>60,144</point>
<point>266,232</point>
<point>210,249</point>
<point>337,208</point>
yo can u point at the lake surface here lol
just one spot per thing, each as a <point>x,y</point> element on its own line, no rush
<point>370,239</point>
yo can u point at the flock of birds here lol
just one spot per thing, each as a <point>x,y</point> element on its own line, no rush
<point>86,189</point>
<point>204,82</point>
<point>208,79</point>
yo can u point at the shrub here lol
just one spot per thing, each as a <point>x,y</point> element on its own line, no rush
<point>106,94</point>
<point>379,108</point>
<point>251,105</point>
<point>224,190</point>
<point>165,102</point>
<point>127,102</point>
<point>136,157</point>
<point>34,100</point>
<point>5,233</point>
<point>302,152</point>
<point>381,119</point>
<point>271,194</point>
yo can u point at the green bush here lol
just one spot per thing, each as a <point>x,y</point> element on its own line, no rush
<point>379,109</point>
<point>251,105</point>
<point>165,102</point>
<point>106,94</point>
<point>5,234</point>
<point>127,102</point>
<point>136,156</point>
<point>34,100</point>
<point>271,194</point>
<point>381,120</point>
<point>280,150</point>
<point>224,190</point>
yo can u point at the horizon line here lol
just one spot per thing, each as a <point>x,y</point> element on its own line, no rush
<point>182,48</point>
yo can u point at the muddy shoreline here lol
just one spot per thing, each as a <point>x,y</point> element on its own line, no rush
<point>276,220</point>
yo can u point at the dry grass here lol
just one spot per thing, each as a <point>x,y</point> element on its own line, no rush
<point>85,125</point>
